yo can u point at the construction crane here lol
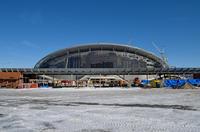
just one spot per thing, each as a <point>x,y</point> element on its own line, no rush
<point>162,53</point>
<point>130,41</point>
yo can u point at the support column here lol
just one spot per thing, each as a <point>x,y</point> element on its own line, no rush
<point>147,79</point>
<point>100,81</point>
<point>53,81</point>
<point>43,79</point>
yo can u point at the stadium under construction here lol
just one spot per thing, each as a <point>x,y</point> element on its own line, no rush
<point>98,65</point>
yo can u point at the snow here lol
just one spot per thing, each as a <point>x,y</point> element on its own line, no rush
<point>100,110</point>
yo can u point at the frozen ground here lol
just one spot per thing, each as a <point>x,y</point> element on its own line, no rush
<point>100,110</point>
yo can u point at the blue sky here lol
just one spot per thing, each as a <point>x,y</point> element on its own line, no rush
<point>32,29</point>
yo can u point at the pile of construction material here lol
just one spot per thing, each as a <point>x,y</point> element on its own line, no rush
<point>187,85</point>
<point>27,85</point>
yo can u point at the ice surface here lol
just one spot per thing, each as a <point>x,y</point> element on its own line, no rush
<point>100,110</point>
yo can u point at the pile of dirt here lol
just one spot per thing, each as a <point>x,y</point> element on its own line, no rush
<point>187,85</point>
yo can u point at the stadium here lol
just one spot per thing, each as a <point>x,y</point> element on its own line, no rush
<point>101,55</point>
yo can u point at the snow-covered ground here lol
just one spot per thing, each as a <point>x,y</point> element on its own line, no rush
<point>100,110</point>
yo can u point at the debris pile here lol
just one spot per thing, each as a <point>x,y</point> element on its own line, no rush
<point>187,85</point>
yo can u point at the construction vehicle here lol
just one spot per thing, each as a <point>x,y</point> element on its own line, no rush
<point>137,83</point>
<point>156,83</point>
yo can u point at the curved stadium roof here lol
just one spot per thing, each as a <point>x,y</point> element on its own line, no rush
<point>101,46</point>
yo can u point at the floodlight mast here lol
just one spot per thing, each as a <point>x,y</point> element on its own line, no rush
<point>162,53</point>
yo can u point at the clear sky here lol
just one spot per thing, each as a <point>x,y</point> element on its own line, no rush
<point>32,29</point>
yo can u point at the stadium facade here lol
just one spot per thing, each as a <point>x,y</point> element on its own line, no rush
<point>101,55</point>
